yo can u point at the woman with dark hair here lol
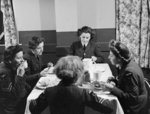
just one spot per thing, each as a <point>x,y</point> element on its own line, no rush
<point>34,59</point>
<point>67,97</point>
<point>12,81</point>
<point>130,87</point>
<point>85,48</point>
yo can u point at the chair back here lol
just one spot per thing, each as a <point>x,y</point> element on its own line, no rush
<point>147,107</point>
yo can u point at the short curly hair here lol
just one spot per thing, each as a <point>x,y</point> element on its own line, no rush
<point>120,50</point>
<point>86,29</point>
<point>35,41</point>
<point>69,69</point>
<point>11,52</point>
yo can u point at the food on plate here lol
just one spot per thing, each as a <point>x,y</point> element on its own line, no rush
<point>96,84</point>
<point>45,82</point>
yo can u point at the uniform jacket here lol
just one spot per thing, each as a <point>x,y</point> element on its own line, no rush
<point>12,91</point>
<point>69,99</point>
<point>35,66</point>
<point>131,90</point>
<point>92,49</point>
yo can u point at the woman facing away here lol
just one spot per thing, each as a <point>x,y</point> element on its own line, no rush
<point>85,48</point>
<point>130,86</point>
<point>67,97</point>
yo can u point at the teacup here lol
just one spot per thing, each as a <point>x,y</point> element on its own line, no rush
<point>87,64</point>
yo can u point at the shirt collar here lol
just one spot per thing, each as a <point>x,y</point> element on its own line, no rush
<point>84,44</point>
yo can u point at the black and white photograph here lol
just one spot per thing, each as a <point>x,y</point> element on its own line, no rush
<point>74,56</point>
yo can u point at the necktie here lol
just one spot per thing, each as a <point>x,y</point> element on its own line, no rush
<point>84,47</point>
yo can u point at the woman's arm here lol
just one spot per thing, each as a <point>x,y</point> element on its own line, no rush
<point>97,103</point>
<point>11,90</point>
<point>38,105</point>
<point>131,89</point>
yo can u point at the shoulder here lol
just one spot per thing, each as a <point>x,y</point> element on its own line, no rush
<point>130,74</point>
<point>95,44</point>
<point>133,69</point>
<point>3,68</point>
<point>27,56</point>
<point>4,71</point>
<point>76,43</point>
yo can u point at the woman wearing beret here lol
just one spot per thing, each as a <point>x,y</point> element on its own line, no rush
<point>130,87</point>
<point>13,91</point>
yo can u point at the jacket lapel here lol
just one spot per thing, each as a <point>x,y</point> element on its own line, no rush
<point>35,59</point>
<point>121,73</point>
<point>80,47</point>
<point>88,47</point>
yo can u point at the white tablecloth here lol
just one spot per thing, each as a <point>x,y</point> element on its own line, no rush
<point>106,72</point>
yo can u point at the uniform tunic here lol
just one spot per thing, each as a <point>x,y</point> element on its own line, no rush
<point>13,91</point>
<point>92,49</point>
<point>35,66</point>
<point>131,90</point>
<point>69,99</point>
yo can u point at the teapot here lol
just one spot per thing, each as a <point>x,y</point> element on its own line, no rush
<point>87,62</point>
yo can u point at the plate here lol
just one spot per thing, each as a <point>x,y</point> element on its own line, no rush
<point>102,92</point>
<point>88,85</point>
<point>43,83</point>
<point>49,70</point>
<point>39,86</point>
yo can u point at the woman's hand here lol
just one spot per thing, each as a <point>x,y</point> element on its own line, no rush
<point>108,86</point>
<point>112,81</point>
<point>49,64</point>
<point>94,58</point>
<point>21,70</point>
<point>43,73</point>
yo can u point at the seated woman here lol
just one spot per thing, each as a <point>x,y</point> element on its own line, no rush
<point>85,48</point>
<point>67,97</point>
<point>34,60</point>
<point>13,92</point>
<point>130,88</point>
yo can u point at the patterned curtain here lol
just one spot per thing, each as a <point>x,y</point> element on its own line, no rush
<point>133,28</point>
<point>10,30</point>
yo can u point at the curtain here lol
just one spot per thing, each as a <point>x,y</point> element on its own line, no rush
<point>133,28</point>
<point>10,31</point>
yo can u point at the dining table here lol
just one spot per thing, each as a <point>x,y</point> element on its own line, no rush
<point>104,73</point>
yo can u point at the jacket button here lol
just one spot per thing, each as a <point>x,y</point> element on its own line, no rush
<point>84,53</point>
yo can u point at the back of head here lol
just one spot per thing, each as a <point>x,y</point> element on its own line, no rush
<point>11,52</point>
<point>69,69</point>
<point>35,41</point>
<point>86,29</point>
<point>120,50</point>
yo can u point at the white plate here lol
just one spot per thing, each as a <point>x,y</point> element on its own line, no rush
<point>39,86</point>
<point>51,81</point>
<point>89,86</point>
<point>102,92</point>
<point>43,83</point>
